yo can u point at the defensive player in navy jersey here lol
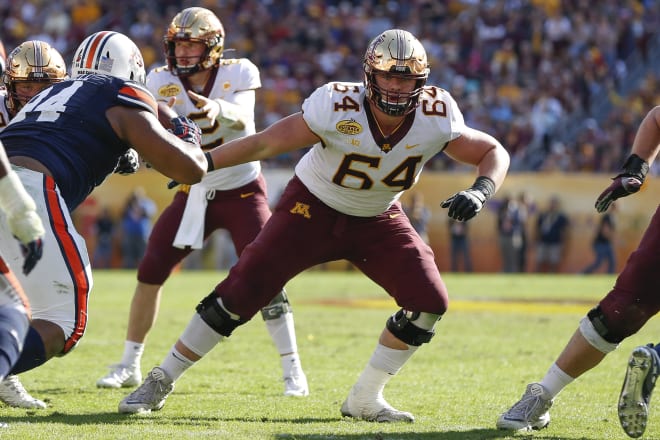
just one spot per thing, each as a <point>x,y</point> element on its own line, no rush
<point>370,142</point>
<point>63,144</point>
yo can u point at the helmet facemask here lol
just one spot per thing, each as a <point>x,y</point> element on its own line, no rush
<point>195,25</point>
<point>395,53</point>
<point>35,62</point>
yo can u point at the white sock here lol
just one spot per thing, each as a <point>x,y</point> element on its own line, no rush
<point>555,380</point>
<point>283,333</point>
<point>175,364</point>
<point>132,354</point>
<point>390,359</point>
<point>370,384</point>
<point>385,362</point>
<point>199,337</point>
<point>291,366</point>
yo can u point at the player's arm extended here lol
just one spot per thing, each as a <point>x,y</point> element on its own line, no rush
<point>182,161</point>
<point>477,148</point>
<point>288,134</point>
<point>644,151</point>
<point>647,140</point>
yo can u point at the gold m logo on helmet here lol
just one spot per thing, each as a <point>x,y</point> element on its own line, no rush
<point>349,127</point>
<point>302,209</point>
<point>169,90</point>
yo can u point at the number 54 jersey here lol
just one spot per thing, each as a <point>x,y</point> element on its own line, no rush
<point>357,170</point>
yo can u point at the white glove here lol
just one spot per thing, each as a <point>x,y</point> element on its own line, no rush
<point>20,209</point>
<point>22,218</point>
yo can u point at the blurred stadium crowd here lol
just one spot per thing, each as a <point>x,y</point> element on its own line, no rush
<point>562,84</point>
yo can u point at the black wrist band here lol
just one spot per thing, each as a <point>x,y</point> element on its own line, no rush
<point>209,160</point>
<point>635,166</point>
<point>485,185</point>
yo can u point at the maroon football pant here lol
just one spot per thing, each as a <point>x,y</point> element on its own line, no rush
<point>304,232</point>
<point>242,211</point>
<point>635,297</point>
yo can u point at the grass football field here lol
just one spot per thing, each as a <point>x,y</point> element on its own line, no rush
<point>501,332</point>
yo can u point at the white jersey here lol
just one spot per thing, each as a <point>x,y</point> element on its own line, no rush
<point>233,77</point>
<point>354,169</point>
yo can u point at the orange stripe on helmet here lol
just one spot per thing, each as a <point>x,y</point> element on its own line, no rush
<point>91,53</point>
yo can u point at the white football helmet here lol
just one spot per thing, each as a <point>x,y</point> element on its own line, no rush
<point>395,52</point>
<point>109,53</point>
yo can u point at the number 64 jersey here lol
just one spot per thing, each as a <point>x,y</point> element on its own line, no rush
<point>355,169</point>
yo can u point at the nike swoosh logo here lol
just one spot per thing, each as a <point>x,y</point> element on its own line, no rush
<point>394,215</point>
<point>410,147</point>
<point>246,195</point>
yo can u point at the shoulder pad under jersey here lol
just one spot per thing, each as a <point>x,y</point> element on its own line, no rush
<point>137,96</point>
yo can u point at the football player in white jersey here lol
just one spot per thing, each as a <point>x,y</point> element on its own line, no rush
<point>370,141</point>
<point>621,313</point>
<point>30,67</point>
<point>219,94</point>
<point>18,213</point>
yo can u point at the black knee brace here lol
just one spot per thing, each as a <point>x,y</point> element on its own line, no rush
<point>599,322</point>
<point>401,325</point>
<point>216,316</point>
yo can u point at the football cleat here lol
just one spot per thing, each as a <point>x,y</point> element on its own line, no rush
<point>641,374</point>
<point>13,393</point>
<point>120,376</point>
<point>377,410</point>
<point>296,385</point>
<point>150,396</point>
<point>530,412</point>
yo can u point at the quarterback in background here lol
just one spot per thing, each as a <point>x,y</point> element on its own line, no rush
<point>370,142</point>
<point>219,95</point>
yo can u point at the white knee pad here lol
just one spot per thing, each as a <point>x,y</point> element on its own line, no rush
<point>591,335</point>
<point>199,337</point>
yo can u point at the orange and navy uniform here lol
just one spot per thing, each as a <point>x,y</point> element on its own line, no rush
<point>78,146</point>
